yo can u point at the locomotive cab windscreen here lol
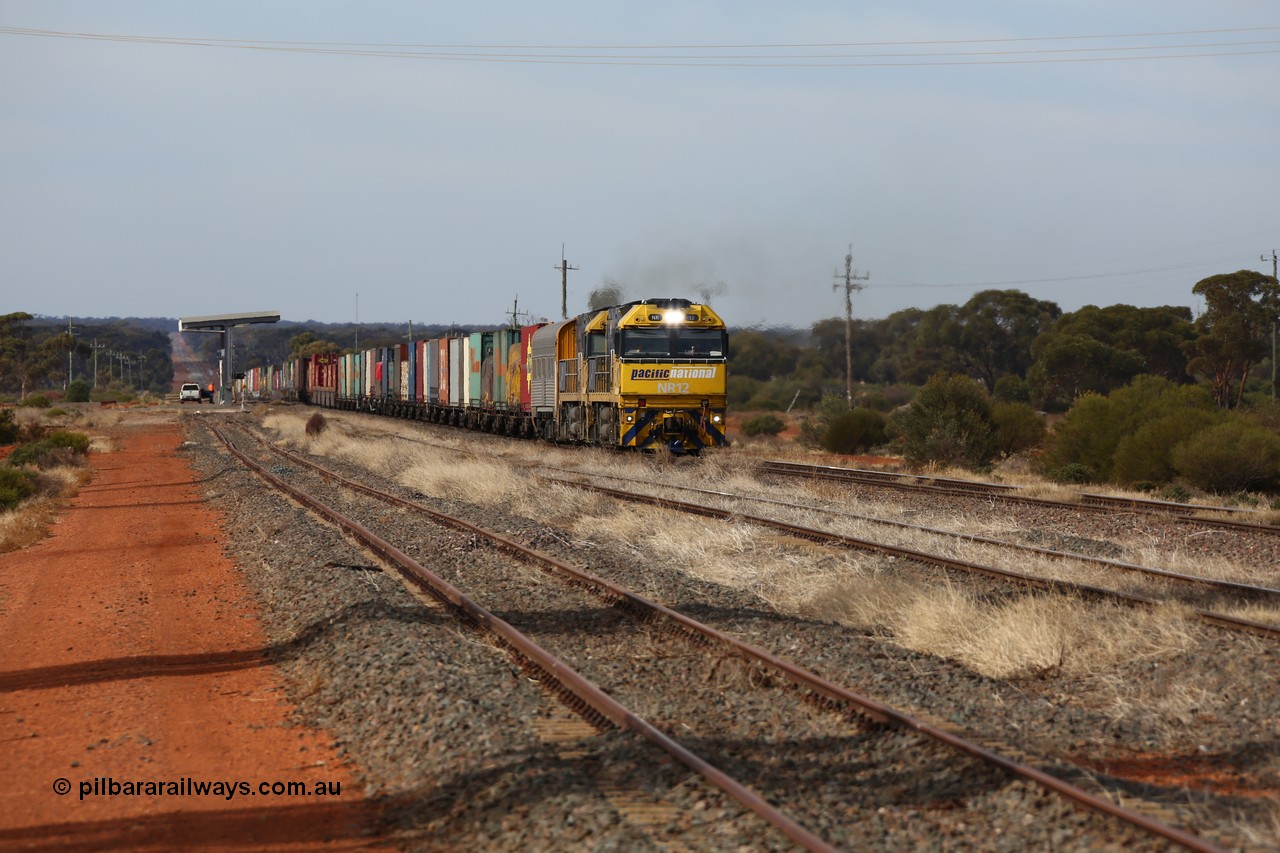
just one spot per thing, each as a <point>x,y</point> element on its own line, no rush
<point>677,342</point>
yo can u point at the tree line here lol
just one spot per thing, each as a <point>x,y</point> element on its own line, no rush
<point>1022,348</point>
<point>40,353</point>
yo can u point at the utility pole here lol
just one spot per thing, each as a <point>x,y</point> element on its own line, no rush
<point>564,284</point>
<point>1274,320</point>
<point>850,285</point>
<point>96,346</point>
<point>71,349</point>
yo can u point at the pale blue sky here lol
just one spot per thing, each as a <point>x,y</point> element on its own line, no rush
<point>165,179</point>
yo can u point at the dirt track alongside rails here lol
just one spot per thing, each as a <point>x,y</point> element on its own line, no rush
<point>133,654</point>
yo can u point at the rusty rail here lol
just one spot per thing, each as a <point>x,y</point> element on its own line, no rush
<point>1182,513</point>
<point>1270,632</point>
<point>797,675</point>
<point>1245,590</point>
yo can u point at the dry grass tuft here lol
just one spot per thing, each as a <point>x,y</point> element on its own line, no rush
<point>1051,492</point>
<point>1038,635</point>
<point>29,522</point>
<point>1268,516</point>
<point>1264,832</point>
<point>1029,636</point>
<point>103,444</point>
<point>476,481</point>
<point>288,427</point>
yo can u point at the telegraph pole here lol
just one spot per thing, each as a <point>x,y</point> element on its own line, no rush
<point>564,284</point>
<point>1274,258</point>
<point>71,349</point>
<point>850,285</point>
<point>97,346</point>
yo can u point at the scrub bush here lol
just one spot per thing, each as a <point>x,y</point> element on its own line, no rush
<point>316,425</point>
<point>767,424</point>
<point>1092,431</point>
<point>813,429</point>
<point>1018,427</point>
<point>949,422</point>
<point>1230,457</point>
<point>1073,473</point>
<point>1145,454</point>
<point>78,391</point>
<point>59,447</point>
<point>1011,389</point>
<point>855,430</point>
<point>8,427</point>
<point>875,399</point>
<point>15,486</point>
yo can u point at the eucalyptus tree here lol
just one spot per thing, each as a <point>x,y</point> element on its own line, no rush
<point>1234,333</point>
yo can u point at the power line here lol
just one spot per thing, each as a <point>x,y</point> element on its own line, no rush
<point>529,54</point>
<point>1059,279</point>
<point>671,46</point>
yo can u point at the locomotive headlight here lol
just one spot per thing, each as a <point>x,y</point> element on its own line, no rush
<point>715,419</point>
<point>630,419</point>
<point>673,316</point>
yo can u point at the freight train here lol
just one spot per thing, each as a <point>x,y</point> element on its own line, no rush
<point>648,374</point>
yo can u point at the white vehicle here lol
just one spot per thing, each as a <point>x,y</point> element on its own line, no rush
<point>190,391</point>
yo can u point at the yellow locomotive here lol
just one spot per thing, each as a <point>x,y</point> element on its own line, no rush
<point>646,374</point>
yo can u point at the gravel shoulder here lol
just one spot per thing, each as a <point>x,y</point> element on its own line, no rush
<point>134,655</point>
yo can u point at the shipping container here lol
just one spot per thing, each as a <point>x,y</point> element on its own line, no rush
<point>415,371</point>
<point>404,372</point>
<point>431,376</point>
<point>496,377</point>
<point>456,372</point>
<point>480,347</point>
<point>526,360</point>
<point>442,371</point>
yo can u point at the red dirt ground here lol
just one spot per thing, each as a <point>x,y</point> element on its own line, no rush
<point>132,652</point>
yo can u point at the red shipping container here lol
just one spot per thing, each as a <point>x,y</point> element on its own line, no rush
<point>420,357</point>
<point>522,371</point>
<point>444,371</point>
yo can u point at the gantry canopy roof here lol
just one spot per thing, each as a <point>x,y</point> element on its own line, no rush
<point>218,322</point>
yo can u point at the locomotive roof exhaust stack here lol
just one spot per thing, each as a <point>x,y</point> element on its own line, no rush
<point>223,324</point>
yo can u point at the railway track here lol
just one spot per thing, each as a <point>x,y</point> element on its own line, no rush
<point>1189,513</point>
<point>1270,632</point>
<point>598,707</point>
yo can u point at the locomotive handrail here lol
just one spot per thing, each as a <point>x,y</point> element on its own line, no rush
<point>671,359</point>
